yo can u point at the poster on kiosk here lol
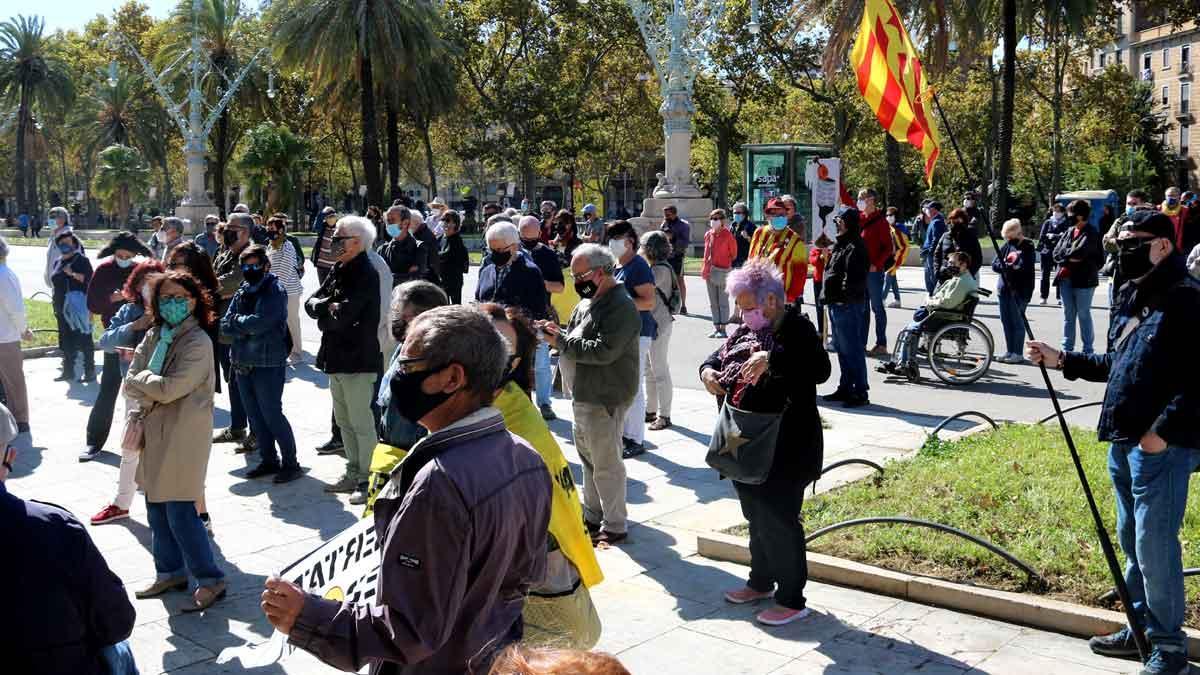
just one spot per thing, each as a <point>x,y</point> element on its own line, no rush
<point>823,177</point>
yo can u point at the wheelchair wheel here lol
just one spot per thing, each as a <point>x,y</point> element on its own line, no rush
<point>987,333</point>
<point>959,353</point>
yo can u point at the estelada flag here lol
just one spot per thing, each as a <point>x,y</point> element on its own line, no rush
<point>891,79</point>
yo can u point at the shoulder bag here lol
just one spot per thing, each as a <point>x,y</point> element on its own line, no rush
<point>743,444</point>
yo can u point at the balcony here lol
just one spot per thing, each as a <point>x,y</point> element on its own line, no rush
<point>1181,113</point>
<point>1185,70</point>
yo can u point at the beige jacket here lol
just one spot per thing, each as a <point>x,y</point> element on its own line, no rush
<point>179,420</point>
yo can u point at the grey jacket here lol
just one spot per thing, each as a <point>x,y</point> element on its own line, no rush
<point>602,341</point>
<point>461,530</point>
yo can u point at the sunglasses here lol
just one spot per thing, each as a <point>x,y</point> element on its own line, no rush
<point>342,238</point>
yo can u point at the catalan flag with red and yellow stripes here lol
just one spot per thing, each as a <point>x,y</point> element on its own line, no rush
<point>891,79</point>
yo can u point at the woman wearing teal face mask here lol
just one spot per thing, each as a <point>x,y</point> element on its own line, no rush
<point>171,381</point>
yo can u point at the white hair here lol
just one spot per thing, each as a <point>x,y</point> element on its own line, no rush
<point>502,232</point>
<point>359,227</point>
<point>498,218</point>
<point>511,212</point>
<point>597,257</point>
<point>1011,225</point>
<point>241,208</point>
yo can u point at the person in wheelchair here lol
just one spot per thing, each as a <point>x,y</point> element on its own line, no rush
<point>948,299</point>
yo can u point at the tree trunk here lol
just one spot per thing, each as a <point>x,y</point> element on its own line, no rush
<point>527,183</point>
<point>165,198</point>
<point>393,150</point>
<point>33,188</point>
<point>1056,143</point>
<point>22,126</point>
<point>1008,86</point>
<point>220,195</point>
<point>894,189</point>
<point>723,168</point>
<point>370,132</point>
<point>429,166</point>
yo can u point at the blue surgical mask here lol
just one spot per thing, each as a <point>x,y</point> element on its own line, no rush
<point>393,230</point>
<point>739,217</point>
<point>777,222</point>
<point>1129,210</point>
<point>124,263</point>
<point>66,248</point>
<point>1171,201</point>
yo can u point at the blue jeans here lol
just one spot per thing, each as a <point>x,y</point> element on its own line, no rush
<point>237,412</point>
<point>1077,304</point>
<point>891,284</point>
<point>930,273</point>
<point>1152,492</point>
<point>1012,309</point>
<point>180,543</point>
<point>849,336</point>
<point>119,659</point>
<point>542,375</point>
<point>875,292</point>
<point>262,396</point>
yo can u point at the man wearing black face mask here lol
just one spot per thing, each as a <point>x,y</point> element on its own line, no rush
<point>1149,417</point>
<point>227,266</point>
<point>256,322</point>
<point>600,347</point>
<point>509,276</point>
<point>547,262</point>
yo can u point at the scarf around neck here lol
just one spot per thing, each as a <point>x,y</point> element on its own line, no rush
<point>166,335</point>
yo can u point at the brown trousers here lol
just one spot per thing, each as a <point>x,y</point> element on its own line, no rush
<point>12,376</point>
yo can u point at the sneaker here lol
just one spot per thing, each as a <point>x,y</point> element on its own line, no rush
<point>837,395</point>
<point>894,304</point>
<point>1118,645</point>
<point>344,486</point>
<point>262,470</point>
<point>65,377</point>
<point>110,513</point>
<point>856,402</point>
<point>632,450</point>
<point>660,423</point>
<point>288,474</point>
<point>331,447</point>
<point>250,444</point>
<point>229,436</point>
<point>781,616</point>
<point>547,412</point>
<point>745,595</point>
<point>1162,662</point>
<point>359,496</point>
<point>89,453</point>
<point>715,334</point>
<point>1043,301</point>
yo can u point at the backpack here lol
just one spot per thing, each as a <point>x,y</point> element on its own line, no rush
<point>675,302</point>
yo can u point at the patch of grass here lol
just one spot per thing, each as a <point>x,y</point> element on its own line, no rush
<point>39,315</point>
<point>1015,487</point>
<point>89,244</point>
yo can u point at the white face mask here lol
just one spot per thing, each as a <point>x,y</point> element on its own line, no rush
<point>862,205</point>
<point>968,203</point>
<point>618,247</point>
<point>891,220</point>
<point>716,224</point>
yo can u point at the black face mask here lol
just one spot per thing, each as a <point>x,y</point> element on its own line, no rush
<point>408,399</point>
<point>530,244</point>
<point>501,258</point>
<point>586,289</point>
<point>230,238</point>
<point>1133,259</point>
<point>253,273</point>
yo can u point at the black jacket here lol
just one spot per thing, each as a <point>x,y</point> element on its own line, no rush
<point>798,364</point>
<point>454,259</point>
<point>62,604</point>
<point>958,238</point>
<point>404,259</point>
<point>349,335</point>
<point>846,273</point>
<point>1081,256</point>
<point>1151,372</point>
<point>428,250</point>
<point>1017,262</point>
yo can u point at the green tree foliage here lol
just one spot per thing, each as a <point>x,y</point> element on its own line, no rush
<point>121,178</point>
<point>273,160</point>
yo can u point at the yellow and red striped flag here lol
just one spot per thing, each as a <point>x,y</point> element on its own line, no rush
<point>891,79</point>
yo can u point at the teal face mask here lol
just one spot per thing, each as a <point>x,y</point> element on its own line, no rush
<point>173,310</point>
<point>777,222</point>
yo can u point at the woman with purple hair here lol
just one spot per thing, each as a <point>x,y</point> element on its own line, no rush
<point>772,364</point>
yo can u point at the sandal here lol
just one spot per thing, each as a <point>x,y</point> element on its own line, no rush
<point>205,597</point>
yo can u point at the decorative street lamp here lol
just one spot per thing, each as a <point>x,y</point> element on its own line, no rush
<point>194,126</point>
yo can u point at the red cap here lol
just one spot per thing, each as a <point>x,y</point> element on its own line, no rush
<point>775,203</point>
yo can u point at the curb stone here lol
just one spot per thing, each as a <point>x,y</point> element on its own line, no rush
<point>1019,608</point>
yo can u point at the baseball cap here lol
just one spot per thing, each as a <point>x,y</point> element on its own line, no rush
<point>1150,222</point>
<point>774,203</point>
<point>589,209</point>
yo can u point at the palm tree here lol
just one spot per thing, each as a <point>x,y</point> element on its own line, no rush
<point>325,36</point>
<point>273,158</point>
<point>120,178</point>
<point>31,75</point>
<point>1004,136</point>
<point>427,92</point>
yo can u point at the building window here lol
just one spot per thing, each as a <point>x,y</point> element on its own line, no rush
<point>1117,57</point>
<point>1165,98</point>
<point>1184,133</point>
<point>1101,59</point>
<point>1146,61</point>
<point>1185,54</point>
<point>1166,57</point>
<point>1185,96</point>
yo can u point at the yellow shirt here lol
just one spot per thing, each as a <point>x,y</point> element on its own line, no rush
<point>786,249</point>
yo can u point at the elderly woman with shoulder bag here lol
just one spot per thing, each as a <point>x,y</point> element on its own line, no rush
<point>172,379</point>
<point>768,438</point>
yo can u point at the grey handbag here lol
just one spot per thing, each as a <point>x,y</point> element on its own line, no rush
<point>743,444</point>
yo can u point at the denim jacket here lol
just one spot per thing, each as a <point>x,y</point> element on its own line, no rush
<point>256,321</point>
<point>1152,381</point>
<point>120,332</point>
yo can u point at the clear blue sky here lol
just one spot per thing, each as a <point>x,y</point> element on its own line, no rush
<point>68,14</point>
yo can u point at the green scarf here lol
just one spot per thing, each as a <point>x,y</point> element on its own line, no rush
<point>166,335</point>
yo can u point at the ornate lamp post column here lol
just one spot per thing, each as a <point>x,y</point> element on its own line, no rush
<point>195,128</point>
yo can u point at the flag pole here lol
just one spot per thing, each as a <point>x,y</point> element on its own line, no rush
<point>1110,554</point>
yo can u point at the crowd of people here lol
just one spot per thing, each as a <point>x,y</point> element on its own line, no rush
<point>440,408</point>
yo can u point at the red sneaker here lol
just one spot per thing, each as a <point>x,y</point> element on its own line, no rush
<point>746,594</point>
<point>780,616</point>
<point>109,514</point>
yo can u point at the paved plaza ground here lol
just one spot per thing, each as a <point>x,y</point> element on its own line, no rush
<point>660,602</point>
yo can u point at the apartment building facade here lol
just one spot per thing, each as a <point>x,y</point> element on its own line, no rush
<point>1164,56</point>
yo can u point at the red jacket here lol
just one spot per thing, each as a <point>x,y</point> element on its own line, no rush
<point>720,248</point>
<point>877,234</point>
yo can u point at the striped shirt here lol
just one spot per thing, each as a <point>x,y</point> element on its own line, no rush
<point>283,266</point>
<point>786,249</point>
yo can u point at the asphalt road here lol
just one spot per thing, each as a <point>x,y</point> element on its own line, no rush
<point>1013,392</point>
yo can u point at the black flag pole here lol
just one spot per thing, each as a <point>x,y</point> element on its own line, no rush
<point>1110,554</point>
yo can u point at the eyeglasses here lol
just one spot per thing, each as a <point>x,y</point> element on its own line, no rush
<point>161,298</point>
<point>343,238</point>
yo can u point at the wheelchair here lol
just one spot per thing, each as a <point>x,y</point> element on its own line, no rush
<point>958,346</point>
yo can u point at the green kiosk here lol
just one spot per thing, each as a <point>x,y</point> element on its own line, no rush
<point>775,169</point>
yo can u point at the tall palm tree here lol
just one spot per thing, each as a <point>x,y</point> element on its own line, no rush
<point>273,159</point>
<point>32,76</point>
<point>427,92</point>
<point>1004,135</point>
<point>120,178</point>
<point>325,36</point>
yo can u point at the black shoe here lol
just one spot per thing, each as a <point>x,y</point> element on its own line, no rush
<point>262,470</point>
<point>229,436</point>
<point>856,402</point>
<point>22,427</point>
<point>250,444</point>
<point>632,450</point>
<point>332,446</point>
<point>888,367</point>
<point>88,377</point>
<point>683,310</point>
<point>288,475</point>
<point>592,528</point>
<point>1118,645</point>
<point>65,376</point>
<point>837,395</point>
